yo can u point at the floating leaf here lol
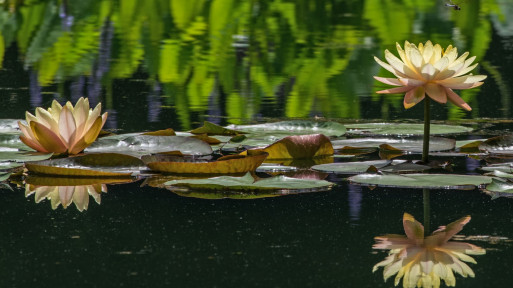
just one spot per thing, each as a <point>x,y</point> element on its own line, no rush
<point>499,167</point>
<point>351,167</point>
<point>403,129</point>
<point>165,132</point>
<point>429,181</point>
<point>300,147</point>
<point>10,125</point>
<point>138,145</point>
<point>4,176</point>
<point>23,156</point>
<point>214,129</point>
<point>206,138</point>
<point>272,168</point>
<point>414,144</point>
<point>89,165</point>
<point>226,165</point>
<point>500,186</point>
<point>294,127</point>
<point>247,183</point>
<point>12,142</point>
<point>498,145</point>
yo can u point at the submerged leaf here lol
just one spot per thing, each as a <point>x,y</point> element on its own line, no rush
<point>226,165</point>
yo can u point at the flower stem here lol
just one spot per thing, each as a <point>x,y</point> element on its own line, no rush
<point>425,146</point>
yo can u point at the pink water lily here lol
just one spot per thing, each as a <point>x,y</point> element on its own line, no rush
<point>429,70</point>
<point>424,261</point>
<point>63,129</point>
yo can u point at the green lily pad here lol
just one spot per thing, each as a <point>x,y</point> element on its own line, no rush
<point>294,127</point>
<point>23,156</point>
<point>89,165</point>
<point>138,145</point>
<point>11,142</point>
<point>10,125</point>
<point>429,181</point>
<point>414,144</point>
<point>498,145</point>
<point>500,186</point>
<point>403,129</point>
<point>247,183</point>
<point>351,167</point>
<point>271,167</point>
<point>499,167</point>
<point>4,176</point>
<point>395,166</point>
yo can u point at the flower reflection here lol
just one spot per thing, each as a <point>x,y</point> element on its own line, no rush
<point>424,261</point>
<point>66,195</point>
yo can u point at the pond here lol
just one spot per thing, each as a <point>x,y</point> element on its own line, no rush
<point>174,64</point>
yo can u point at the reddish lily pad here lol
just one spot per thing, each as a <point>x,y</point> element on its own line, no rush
<point>300,147</point>
<point>225,165</point>
<point>214,129</point>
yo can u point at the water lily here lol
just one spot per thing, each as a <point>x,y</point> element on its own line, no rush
<point>429,69</point>
<point>424,261</point>
<point>65,195</point>
<point>63,129</point>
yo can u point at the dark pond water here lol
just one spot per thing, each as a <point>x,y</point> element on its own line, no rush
<point>159,64</point>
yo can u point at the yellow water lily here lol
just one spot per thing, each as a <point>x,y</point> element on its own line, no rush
<point>65,195</point>
<point>63,129</point>
<point>423,262</point>
<point>429,69</point>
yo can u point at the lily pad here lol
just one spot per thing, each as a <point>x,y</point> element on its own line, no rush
<point>138,145</point>
<point>248,183</point>
<point>429,181</point>
<point>351,167</point>
<point>11,142</point>
<point>500,186</point>
<point>225,165</point>
<point>395,166</point>
<point>10,125</point>
<point>4,176</point>
<point>272,168</point>
<point>294,127</point>
<point>89,165</point>
<point>498,145</point>
<point>414,144</point>
<point>214,129</point>
<point>300,147</point>
<point>499,167</point>
<point>403,129</point>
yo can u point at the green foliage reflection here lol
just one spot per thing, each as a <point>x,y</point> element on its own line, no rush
<point>302,58</point>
